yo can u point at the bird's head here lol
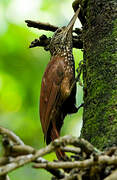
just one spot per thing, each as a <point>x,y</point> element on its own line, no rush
<point>63,36</point>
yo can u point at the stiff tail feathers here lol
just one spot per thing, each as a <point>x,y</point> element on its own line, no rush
<point>59,153</point>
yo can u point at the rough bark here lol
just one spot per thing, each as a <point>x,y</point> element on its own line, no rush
<point>100,73</point>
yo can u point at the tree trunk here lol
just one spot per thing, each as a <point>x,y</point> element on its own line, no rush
<point>100,73</point>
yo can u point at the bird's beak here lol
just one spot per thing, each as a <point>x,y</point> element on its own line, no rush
<point>71,23</point>
<point>69,27</point>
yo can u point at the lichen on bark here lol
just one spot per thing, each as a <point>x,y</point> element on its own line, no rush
<point>100,73</point>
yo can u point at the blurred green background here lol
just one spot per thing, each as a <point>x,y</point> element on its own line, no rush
<point>21,71</point>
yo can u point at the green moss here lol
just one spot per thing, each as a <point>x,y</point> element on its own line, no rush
<point>100,75</point>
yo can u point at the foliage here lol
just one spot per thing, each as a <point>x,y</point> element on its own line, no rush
<point>21,71</point>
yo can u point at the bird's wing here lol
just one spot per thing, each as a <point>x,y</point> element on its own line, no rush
<point>50,92</point>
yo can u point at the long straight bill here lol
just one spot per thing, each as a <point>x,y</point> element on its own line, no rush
<point>71,23</point>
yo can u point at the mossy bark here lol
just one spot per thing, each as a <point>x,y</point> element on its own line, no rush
<point>100,73</point>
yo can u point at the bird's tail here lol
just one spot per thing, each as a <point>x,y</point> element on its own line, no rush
<point>59,153</point>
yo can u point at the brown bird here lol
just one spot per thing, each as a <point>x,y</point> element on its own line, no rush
<point>58,88</point>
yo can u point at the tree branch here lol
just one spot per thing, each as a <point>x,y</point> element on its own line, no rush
<point>112,176</point>
<point>5,177</point>
<point>81,164</point>
<point>71,150</point>
<point>41,25</point>
<point>11,135</point>
<point>47,26</point>
<point>89,158</point>
<point>43,41</point>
